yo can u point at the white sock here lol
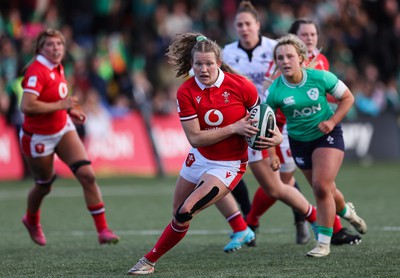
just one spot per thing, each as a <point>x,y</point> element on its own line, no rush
<point>324,239</point>
<point>347,213</point>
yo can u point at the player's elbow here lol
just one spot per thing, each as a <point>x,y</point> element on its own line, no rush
<point>195,143</point>
<point>27,106</point>
<point>26,109</point>
<point>348,97</point>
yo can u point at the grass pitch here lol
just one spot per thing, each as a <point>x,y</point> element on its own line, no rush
<point>138,209</point>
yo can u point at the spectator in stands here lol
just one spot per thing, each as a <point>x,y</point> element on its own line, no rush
<point>351,29</point>
<point>4,100</point>
<point>371,99</point>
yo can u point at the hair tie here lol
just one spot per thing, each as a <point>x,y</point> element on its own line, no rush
<point>201,38</point>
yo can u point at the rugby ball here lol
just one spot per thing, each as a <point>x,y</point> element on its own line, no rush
<point>265,117</point>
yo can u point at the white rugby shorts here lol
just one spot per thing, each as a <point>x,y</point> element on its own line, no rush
<point>255,155</point>
<point>228,172</point>
<point>285,155</point>
<point>36,145</point>
<point>282,151</point>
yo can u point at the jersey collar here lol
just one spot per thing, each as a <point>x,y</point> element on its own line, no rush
<point>314,53</point>
<point>41,59</point>
<point>251,50</point>
<point>217,83</point>
<point>300,84</point>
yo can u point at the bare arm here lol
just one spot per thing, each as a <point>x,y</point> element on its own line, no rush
<point>274,161</point>
<point>31,105</point>
<point>77,115</point>
<point>201,138</point>
<point>344,106</point>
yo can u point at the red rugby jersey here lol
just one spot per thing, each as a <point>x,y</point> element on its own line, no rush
<point>47,81</point>
<point>222,104</point>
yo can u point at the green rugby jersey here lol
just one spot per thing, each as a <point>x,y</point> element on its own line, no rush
<point>304,104</point>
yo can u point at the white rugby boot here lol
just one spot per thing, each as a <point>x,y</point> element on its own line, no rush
<point>355,220</point>
<point>142,267</point>
<point>320,250</point>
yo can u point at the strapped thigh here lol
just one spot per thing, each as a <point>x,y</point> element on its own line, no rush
<point>184,217</point>
<point>76,165</point>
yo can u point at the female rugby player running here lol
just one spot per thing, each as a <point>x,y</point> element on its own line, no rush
<point>212,107</point>
<point>314,132</point>
<point>280,156</point>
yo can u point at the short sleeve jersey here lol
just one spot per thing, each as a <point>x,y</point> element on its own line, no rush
<point>48,83</point>
<point>304,104</point>
<point>217,106</point>
<point>260,65</point>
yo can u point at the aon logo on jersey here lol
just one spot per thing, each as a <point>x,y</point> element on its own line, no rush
<point>306,111</point>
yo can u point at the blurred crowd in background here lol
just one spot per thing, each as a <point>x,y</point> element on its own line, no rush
<point>116,62</point>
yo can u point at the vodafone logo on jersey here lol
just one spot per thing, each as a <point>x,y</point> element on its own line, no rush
<point>213,117</point>
<point>63,90</point>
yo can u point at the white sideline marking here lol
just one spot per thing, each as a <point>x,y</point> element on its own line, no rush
<point>154,232</point>
<point>107,191</point>
<point>159,232</point>
<point>391,228</point>
<point>206,232</point>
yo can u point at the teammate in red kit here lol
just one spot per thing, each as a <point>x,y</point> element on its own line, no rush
<point>212,107</point>
<point>307,31</point>
<point>48,129</point>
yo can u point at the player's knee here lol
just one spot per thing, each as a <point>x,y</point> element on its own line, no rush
<point>321,192</point>
<point>273,193</point>
<point>45,185</point>
<point>182,215</point>
<point>84,176</point>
